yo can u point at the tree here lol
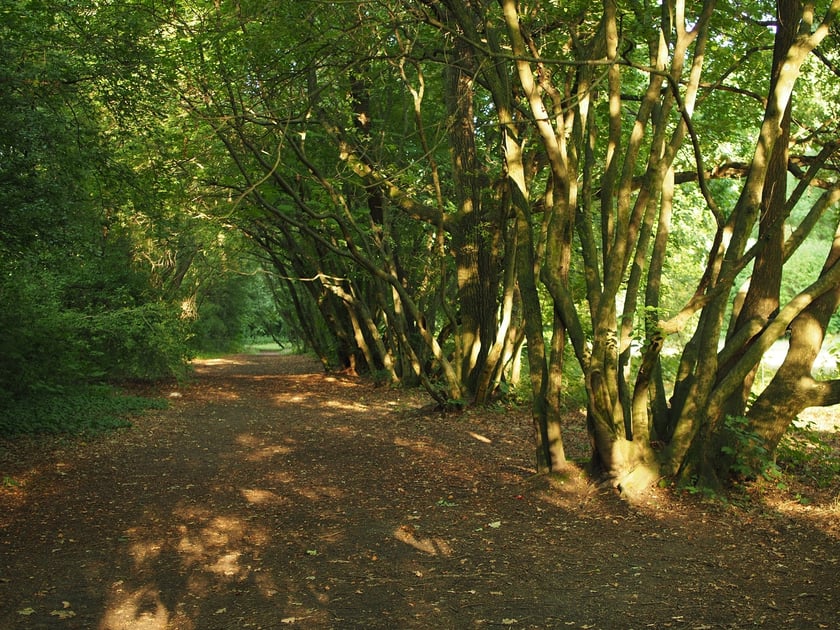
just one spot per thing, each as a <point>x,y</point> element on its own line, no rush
<point>553,163</point>
<point>336,199</point>
<point>632,209</point>
<point>755,319</point>
<point>79,305</point>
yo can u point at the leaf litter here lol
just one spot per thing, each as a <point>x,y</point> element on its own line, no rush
<point>271,492</point>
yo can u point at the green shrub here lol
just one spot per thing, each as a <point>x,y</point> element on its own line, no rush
<point>145,342</point>
<point>745,450</point>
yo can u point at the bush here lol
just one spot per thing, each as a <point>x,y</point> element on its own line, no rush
<point>53,359</point>
<point>145,342</point>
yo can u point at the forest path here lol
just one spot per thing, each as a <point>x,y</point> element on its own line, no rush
<point>269,495</point>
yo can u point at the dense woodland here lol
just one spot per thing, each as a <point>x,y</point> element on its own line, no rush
<point>621,207</point>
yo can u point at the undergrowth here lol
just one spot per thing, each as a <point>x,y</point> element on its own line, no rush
<point>810,454</point>
<point>805,462</point>
<point>87,410</point>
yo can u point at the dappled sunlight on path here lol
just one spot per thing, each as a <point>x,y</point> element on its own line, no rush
<point>270,495</point>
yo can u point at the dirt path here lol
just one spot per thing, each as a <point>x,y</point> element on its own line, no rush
<point>271,496</point>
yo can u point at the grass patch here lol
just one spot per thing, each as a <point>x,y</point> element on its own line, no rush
<point>85,410</point>
<point>265,346</point>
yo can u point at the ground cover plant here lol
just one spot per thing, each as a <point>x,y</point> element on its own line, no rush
<point>81,410</point>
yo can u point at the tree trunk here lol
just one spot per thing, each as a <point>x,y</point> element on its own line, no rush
<point>762,298</point>
<point>474,239</point>
<point>793,388</point>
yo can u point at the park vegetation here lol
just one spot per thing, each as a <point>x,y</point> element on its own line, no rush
<point>618,206</point>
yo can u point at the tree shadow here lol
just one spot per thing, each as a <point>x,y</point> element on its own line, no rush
<point>271,499</point>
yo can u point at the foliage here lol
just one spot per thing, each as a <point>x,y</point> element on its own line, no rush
<point>746,451</point>
<point>80,304</point>
<point>233,311</point>
<point>81,410</point>
<point>805,452</point>
<point>144,342</point>
<point>50,339</point>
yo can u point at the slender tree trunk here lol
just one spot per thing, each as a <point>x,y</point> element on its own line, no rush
<point>474,241</point>
<point>762,297</point>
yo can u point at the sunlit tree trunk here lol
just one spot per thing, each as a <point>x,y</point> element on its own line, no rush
<point>793,388</point>
<point>762,297</point>
<point>545,360</point>
<point>703,433</point>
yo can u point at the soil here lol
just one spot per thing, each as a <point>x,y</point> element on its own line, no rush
<point>269,495</point>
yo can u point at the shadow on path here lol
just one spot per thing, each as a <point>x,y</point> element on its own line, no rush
<point>270,495</point>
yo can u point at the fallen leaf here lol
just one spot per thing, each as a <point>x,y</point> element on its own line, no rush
<point>495,524</point>
<point>288,620</point>
<point>63,614</point>
<point>26,612</point>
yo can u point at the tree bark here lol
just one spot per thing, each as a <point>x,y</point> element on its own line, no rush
<point>762,297</point>
<point>474,238</point>
<point>793,388</point>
